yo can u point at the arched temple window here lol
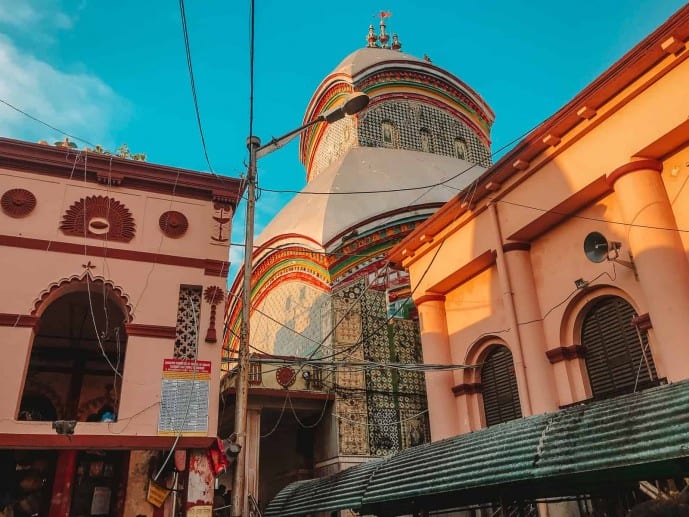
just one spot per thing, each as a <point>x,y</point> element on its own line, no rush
<point>389,134</point>
<point>618,359</point>
<point>499,387</point>
<point>461,149</point>
<point>426,140</point>
<point>79,346</point>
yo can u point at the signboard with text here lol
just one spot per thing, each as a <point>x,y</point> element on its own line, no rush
<point>184,397</point>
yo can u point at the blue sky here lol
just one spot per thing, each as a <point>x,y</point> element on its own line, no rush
<point>115,72</point>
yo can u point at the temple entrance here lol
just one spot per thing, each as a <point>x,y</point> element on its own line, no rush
<point>77,357</point>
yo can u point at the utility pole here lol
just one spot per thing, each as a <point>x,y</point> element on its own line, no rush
<point>353,104</point>
<point>242,386</point>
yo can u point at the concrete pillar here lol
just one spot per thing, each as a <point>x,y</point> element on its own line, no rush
<point>660,260</point>
<point>539,372</point>
<point>435,342</point>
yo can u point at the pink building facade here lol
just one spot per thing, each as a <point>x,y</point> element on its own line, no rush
<point>111,269</point>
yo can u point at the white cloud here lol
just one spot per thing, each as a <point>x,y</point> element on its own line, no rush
<point>22,14</point>
<point>78,103</point>
<point>13,12</point>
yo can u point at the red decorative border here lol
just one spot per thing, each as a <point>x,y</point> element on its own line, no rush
<point>211,267</point>
<point>59,161</point>
<point>141,329</point>
<point>76,280</point>
<point>17,320</point>
<point>107,440</point>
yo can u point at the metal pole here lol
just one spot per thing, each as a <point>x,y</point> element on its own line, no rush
<point>242,387</point>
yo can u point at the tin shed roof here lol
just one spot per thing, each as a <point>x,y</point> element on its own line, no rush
<point>580,449</point>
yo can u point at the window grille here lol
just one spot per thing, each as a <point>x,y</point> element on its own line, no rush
<point>255,373</point>
<point>499,387</point>
<point>317,378</point>
<point>614,355</point>
<point>188,320</point>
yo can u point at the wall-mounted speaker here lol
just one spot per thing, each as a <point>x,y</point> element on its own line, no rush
<point>596,247</point>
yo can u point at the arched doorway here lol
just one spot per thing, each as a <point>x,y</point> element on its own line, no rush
<point>618,358</point>
<point>499,387</point>
<point>77,357</point>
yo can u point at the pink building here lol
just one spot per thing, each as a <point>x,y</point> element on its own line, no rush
<point>111,272</point>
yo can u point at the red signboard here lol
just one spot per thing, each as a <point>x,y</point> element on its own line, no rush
<point>186,366</point>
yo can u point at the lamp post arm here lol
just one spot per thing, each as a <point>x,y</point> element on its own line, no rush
<point>277,143</point>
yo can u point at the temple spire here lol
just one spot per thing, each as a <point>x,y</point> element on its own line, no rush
<point>374,40</point>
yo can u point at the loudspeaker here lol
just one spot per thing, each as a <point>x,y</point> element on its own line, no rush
<point>596,247</point>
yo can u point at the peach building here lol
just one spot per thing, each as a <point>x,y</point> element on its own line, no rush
<point>557,284</point>
<point>111,272</point>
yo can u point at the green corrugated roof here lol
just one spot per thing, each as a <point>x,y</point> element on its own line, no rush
<point>634,436</point>
<point>341,490</point>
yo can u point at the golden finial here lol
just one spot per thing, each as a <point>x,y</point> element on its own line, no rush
<point>384,38</point>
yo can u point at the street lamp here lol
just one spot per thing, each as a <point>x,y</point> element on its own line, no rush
<point>354,103</point>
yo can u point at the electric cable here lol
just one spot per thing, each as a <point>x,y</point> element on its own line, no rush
<point>192,82</point>
<point>404,189</point>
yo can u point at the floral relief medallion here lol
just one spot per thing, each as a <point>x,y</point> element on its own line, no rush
<point>173,224</point>
<point>286,376</point>
<point>18,202</point>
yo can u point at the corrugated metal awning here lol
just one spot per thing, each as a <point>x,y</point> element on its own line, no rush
<point>632,437</point>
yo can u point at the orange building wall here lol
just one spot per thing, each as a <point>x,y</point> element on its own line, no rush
<point>499,262</point>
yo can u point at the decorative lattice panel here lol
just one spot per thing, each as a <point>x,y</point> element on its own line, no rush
<point>419,127</point>
<point>390,404</point>
<point>293,321</point>
<point>188,318</point>
<point>337,139</point>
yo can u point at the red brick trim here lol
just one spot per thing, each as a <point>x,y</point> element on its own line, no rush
<point>636,165</point>
<point>467,389</point>
<point>211,267</point>
<point>108,441</point>
<point>565,353</point>
<point>516,246</point>
<point>17,320</point>
<point>429,297</point>
<point>216,268</point>
<point>642,322</point>
<point>141,329</point>
<point>59,161</point>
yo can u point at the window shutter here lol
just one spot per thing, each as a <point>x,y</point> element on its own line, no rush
<point>613,352</point>
<point>499,387</point>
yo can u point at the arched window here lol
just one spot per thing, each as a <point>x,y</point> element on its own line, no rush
<point>426,140</point>
<point>499,387</point>
<point>389,134</point>
<point>616,359</point>
<point>461,149</point>
<point>78,348</point>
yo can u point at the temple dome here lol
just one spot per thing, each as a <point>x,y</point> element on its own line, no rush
<point>322,217</point>
<point>365,58</point>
